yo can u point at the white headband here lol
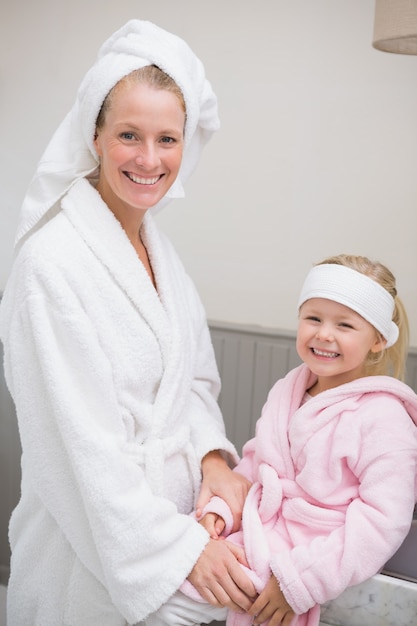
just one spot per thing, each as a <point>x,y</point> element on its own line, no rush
<point>356,291</point>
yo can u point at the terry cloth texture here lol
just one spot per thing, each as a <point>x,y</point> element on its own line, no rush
<point>334,486</point>
<point>115,387</point>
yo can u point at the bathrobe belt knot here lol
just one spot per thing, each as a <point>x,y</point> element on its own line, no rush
<point>266,497</point>
<point>152,454</point>
<point>263,507</point>
<point>269,491</point>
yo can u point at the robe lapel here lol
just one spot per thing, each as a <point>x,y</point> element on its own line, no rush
<point>107,240</point>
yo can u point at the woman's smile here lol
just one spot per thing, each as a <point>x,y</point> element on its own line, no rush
<point>140,147</point>
<point>143,181</point>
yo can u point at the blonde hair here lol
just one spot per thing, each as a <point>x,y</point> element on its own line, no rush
<point>150,75</point>
<point>390,361</point>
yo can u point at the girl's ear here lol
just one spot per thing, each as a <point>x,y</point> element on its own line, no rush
<point>379,344</point>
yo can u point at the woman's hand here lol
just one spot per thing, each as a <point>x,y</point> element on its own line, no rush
<point>220,579</point>
<point>271,605</point>
<point>220,480</point>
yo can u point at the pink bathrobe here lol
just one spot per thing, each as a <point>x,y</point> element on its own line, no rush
<point>334,486</point>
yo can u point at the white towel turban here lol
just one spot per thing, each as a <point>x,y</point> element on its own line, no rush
<point>355,290</point>
<point>70,154</point>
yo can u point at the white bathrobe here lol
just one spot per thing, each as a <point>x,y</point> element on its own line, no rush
<point>115,386</point>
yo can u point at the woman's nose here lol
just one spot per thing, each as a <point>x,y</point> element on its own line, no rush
<point>148,156</point>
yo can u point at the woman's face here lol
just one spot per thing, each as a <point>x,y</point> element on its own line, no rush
<point>140,146</point>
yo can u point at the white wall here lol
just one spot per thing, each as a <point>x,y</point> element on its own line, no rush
<point>317,153</point>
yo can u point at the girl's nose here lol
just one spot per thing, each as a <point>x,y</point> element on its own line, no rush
<point>325,333</point>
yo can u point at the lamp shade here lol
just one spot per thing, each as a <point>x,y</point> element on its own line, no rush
<point>395,26</point>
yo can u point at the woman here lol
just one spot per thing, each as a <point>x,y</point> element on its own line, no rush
<point>108,357</point>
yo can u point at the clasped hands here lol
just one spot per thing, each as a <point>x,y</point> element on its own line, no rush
<point>217,575</point>
<point>222,582</point>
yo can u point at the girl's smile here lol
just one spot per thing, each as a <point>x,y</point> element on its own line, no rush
<point>334,341</point>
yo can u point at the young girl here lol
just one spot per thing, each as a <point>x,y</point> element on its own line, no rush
<point>333,463</point>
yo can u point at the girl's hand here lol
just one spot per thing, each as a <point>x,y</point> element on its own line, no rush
<point>271,605</point>
<point>220,480</point>
<point>213,523</point>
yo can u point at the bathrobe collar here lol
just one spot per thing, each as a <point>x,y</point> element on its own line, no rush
<point>302,378</point>
<point>104,235</point>
<point>107,240</point>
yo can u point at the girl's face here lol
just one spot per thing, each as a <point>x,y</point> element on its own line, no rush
<point>334,342</point>
<point>140,147</point>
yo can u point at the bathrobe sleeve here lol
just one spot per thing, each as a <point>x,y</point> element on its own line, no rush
<point>381,456</point>
<point>207,425</point>
<point>71,428</point>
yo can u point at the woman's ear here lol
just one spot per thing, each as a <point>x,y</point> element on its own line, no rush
<point>379,344</point>
<point>97,143</point>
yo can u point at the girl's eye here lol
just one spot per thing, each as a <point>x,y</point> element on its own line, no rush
<point>313,318</point>
<point>346,325</point>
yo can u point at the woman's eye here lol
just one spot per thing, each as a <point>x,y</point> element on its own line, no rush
<point>128,136</point>
<point>167,140</point>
